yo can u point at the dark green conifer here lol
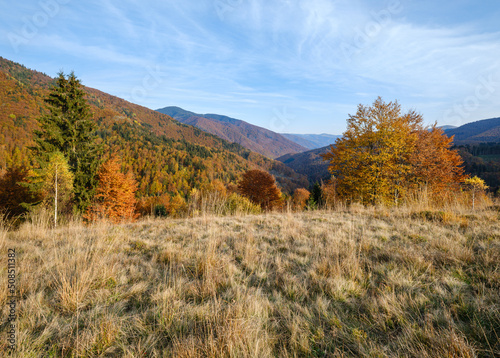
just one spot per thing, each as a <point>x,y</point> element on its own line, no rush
<point>316,198</point>
<point>68,128</point>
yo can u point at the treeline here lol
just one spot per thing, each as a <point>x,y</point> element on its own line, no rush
<point>167,158</point>
<point>385,157</point>
<point>482,149</point>
<point>120,169</point>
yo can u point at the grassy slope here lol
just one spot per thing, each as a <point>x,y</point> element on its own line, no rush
<point>348,283</point>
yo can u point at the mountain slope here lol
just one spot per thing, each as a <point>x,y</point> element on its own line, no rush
<point>486,130</point>
<point>308,163</point>
<point>165,155</point>
<point>252,137</point>
<point>312,141</point>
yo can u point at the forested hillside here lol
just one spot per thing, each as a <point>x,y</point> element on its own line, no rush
<point>309,163</point>
<point>483,160</point>
<point>483,131</point>
<point>165,156</point>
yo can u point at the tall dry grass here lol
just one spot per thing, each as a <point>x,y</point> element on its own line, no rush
<point>356,281</point>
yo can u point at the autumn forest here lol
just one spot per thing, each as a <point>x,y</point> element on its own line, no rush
<point>169,161</point>
<point>135,235</point>
<point>116,160</point>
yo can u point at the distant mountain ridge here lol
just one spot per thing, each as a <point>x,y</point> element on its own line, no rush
<point>483,131</point>
<point>255,138</point>
<point>312,141</point>
<point>447,127</point>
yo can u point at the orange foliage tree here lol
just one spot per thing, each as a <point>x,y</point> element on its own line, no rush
<point>260,187</point>
<point>115,198</point>
<point>329,190</point>
<point>13,193</point>
<point>384,154</point>
<point>435,166</point>
<point>300,197</point>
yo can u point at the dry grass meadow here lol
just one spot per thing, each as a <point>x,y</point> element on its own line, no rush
<point>353,282</point>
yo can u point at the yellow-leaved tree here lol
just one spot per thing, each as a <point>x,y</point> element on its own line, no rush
<point>372,160</point>
<point>54,181</point>
<point>475,185</point>
<point>385,154</point>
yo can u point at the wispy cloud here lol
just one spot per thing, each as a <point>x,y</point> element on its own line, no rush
<point>317,58</point>
<point>106,54</point>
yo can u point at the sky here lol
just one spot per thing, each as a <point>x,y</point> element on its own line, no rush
<point>292,66</point>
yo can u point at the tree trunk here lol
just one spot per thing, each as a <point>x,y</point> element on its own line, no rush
<point>55,202</point>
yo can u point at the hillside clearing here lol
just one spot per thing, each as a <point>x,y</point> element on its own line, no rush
<point>358,282</point>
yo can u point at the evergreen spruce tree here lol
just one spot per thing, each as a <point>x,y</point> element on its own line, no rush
<point>67,128</point>
<point>316,197</point>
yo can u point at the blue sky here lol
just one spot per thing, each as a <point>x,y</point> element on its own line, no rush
<point>298,66</point>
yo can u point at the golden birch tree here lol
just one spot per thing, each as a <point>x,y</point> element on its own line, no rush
<point>385,153</point>
<point>371,161</point>
<point>475,185</point>
<point>55,182</point>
